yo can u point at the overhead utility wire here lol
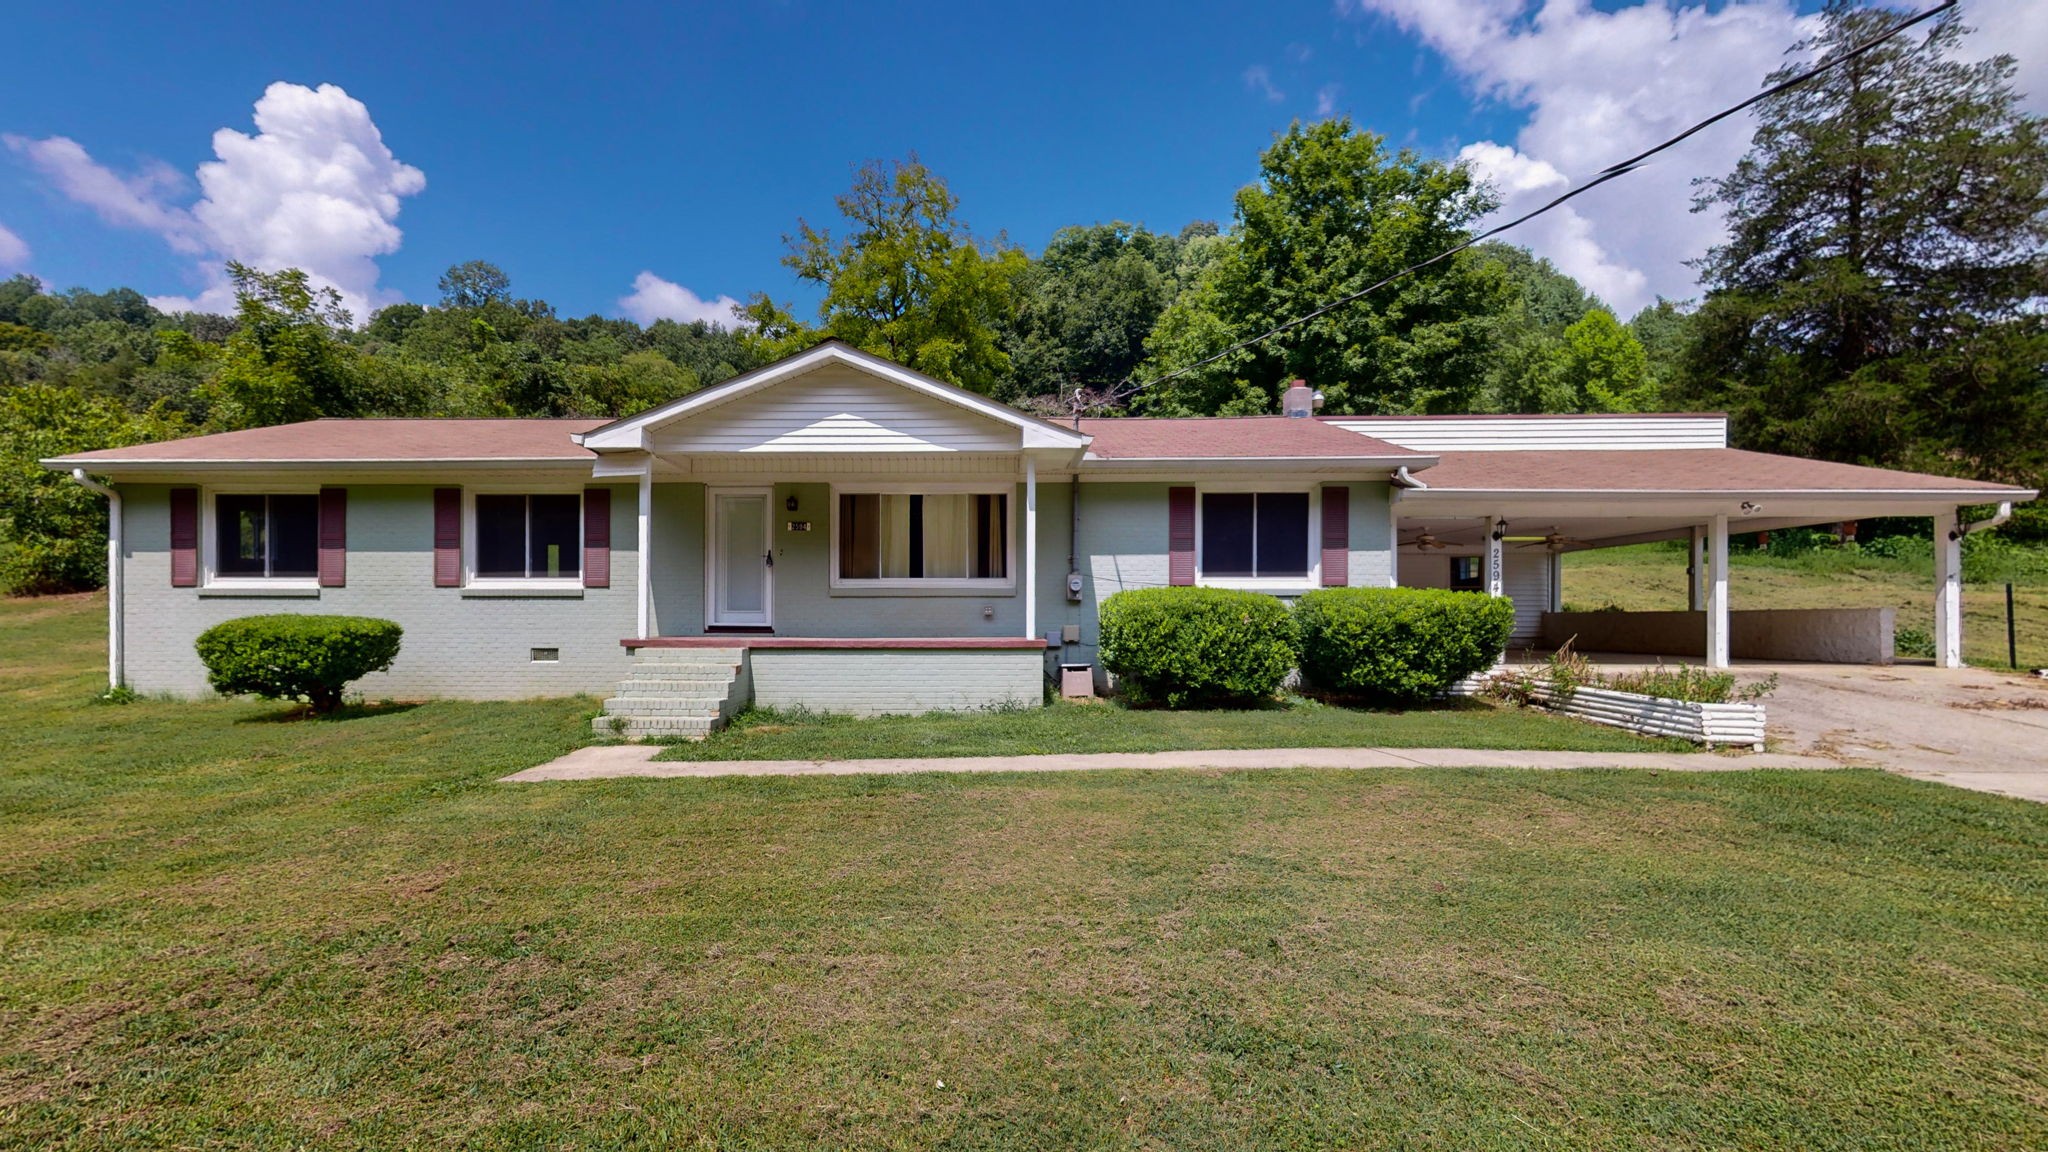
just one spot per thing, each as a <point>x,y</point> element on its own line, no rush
<point>1609,173</point>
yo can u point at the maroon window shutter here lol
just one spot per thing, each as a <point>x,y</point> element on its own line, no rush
<point>184,537</point>
<point>447,537</point>
<point>1180,535</point>
<point>1336,535</point>
<point>333,537</point>
<point>597,537</point>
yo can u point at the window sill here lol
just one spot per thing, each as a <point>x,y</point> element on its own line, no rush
<point>295,590</point>
<point>523,590</point>
<point>1288,587</point>
<point>926,588</point>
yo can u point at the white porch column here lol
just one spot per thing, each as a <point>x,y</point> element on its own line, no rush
<point>1948,592</point>
<point>1717,593</point>
<point>643,578</point>
<point>1496,584</point>
<point>1696,572</point>
<point>1030,546</point>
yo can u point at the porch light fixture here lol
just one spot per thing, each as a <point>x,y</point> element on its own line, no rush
<point>1751,507</point>
<point>790,503</point>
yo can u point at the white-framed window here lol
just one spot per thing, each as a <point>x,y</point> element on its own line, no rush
<point>522,538</point>
<point>261,538</point>
<point>1258,537</point>
<point>924,537</point>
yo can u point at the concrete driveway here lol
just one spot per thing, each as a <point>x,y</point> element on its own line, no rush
<point>1970,728</point>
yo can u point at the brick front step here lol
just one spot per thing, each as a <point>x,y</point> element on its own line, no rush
<point>676,693</point>
<point>654,727</point>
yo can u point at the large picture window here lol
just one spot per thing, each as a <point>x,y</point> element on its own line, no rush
<point>529,536</point>
<point>1254,535</point>
<point>266,536</point>
<point>923,536</point>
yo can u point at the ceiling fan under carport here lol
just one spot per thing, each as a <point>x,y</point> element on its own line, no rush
<point>1554,540</point>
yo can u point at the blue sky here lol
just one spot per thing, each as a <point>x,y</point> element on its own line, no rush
<point>579,147</point>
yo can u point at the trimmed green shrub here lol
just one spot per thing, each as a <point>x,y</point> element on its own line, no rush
<point>1398,645</point>
<point>292,657</point>
<point>1191,647</point>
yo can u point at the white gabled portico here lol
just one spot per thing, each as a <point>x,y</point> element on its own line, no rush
<point>796,462</point>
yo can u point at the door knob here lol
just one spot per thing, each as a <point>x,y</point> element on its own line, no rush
<point>770,558</point>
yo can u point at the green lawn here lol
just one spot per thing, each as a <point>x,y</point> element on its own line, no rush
<point>223,929</point>
<point>1649,576</point>
<point>1107,727</point>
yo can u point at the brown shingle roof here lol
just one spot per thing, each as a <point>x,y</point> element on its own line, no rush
<point>1729,470</point>
<point>1229,437</point>
<point>368,440</point>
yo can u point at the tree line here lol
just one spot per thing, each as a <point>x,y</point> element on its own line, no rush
<point>1879,300</point>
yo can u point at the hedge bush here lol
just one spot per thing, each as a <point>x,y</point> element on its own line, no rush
<point>1398,645</point>
<point>1189,647</point>
<point>292,657</point>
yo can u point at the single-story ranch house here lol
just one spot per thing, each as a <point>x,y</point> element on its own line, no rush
<point>837,531</point>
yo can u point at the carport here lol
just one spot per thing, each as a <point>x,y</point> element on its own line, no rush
<point>1496,514</point>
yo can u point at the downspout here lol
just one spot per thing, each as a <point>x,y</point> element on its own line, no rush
<point>2004,514</point>
<point>116,673</point>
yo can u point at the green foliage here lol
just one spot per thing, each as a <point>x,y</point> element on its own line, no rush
<point>1196,647</point>
<point>1086,306</point>
<point>1336,210</point>
<point>1398,645</point>
<point>907,281</point>
<point>1604,366</point>
<point>52,530</point>
<point>1690,683</point>
<point>287,359</point>
<point>295,657</point>
<point>1880,297</point>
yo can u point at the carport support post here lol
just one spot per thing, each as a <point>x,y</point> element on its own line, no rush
<point>1948,592</point>
<point>1696,572</point>
<point>1717,594</point>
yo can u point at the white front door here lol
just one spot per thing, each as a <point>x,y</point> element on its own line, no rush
<point>740,570</point>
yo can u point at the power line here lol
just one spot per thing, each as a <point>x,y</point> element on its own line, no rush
<point>1611,172</point>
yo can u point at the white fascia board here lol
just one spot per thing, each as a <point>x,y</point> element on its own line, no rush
<point>118,467</point>
<point>631,432</point>
<point>1627,495</point>
<point>621,465</point>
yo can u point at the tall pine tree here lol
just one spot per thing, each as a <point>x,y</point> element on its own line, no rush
<point>1880,297</point>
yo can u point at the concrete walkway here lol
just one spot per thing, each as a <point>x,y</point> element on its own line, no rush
<point>621,760</point>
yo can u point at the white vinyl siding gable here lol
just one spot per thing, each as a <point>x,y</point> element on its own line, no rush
<point>837,410</point>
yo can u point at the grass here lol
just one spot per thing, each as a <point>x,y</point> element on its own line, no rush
<point>1651,576</point>
<point>223,928</point>
<point>1107,727</point>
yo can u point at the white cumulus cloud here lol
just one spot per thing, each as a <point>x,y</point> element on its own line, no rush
<point>314,188</point>
<point>1600,86</point>
<point>1326,98</point>
<point>654,298</point>
<point>13,251</point>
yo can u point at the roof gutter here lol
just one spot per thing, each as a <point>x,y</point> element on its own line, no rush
<point>2004,514</point>
<point>116,673</point>
<point>1401,479</point>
